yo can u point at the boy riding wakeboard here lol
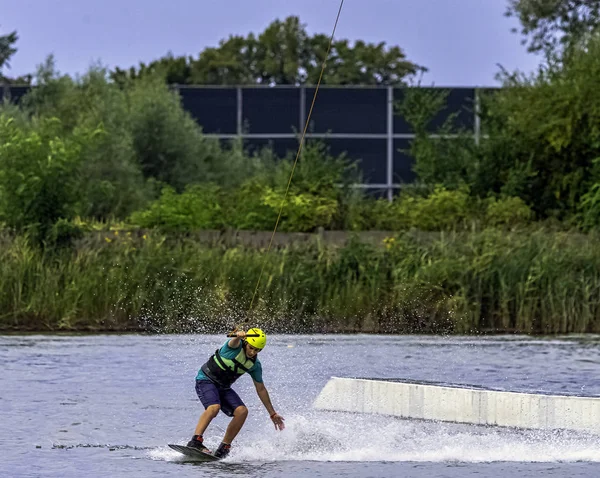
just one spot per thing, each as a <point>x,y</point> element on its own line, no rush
<point>213,386</point>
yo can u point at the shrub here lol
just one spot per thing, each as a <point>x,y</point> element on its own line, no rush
<point>442,210</point>
<point>39,169</point>
<point>111,179</point>
<point>198,207</point>
<point>508,211</point>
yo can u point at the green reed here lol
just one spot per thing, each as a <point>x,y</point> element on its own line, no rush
<point>532,281</point>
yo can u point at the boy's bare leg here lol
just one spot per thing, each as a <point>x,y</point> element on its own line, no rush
<point>236,424</point>
<point>211,412</point>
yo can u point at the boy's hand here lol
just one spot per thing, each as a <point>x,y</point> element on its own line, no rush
<point>278,421</point>
<point>240,334</point>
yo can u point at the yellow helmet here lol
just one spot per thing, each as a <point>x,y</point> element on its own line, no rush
<point>257,338</point>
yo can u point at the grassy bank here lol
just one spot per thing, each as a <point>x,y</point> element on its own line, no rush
<point>491,281</point>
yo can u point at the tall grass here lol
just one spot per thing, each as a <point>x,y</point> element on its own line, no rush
<point>535,282</point>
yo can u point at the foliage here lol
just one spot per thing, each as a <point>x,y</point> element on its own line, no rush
<point>245,206</point>
<point>303,212</point>
<point>539,137</point>
<point>554,24</point>
<point>283,54</point>
<point>7,48</point>
<point>112,183</point>
<point>39,174</point>
<point>320,179</point>
<point>64,233</point>
<point>507,211</point>
<point>442,210</point>
<point>368,213</point>
<point>313,200</point>
<point>167,141</point>
<point>150,139</point>
<point>544,135</point>
<point>198,207</point>
<point>535,158</point>
<point>589,206</point>
<point>531,281</point>
<point>233,164</point>
<point>449,157</point>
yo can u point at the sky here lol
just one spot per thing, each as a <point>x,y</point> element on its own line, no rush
<point>461,42</point>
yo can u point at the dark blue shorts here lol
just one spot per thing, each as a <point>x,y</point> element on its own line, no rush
<point>210,394</point>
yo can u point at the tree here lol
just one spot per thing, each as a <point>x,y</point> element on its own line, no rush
<point>283,54</point>
<point>543,133</point>
<point>39,169</point>
<point>167,142</point>
<point>174,70</point>
<point>7,48</point>
<point>554,24</point>
<point>111,179</point>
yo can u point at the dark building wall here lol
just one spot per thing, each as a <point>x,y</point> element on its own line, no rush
<point>353,120</point>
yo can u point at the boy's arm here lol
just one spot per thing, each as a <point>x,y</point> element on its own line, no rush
<point>263,394</point>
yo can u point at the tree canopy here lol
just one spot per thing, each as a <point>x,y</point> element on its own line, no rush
<point>550,25</point>
<point>7,48</point>
<point>284,54</point>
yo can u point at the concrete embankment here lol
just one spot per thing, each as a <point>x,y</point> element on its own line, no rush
<point>461,404</point>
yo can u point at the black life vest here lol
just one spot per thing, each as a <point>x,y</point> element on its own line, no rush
<point>223,371</point>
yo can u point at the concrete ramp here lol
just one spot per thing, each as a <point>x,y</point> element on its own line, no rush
<point>460,404</point>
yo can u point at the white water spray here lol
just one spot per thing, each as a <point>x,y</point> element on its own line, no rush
<point>345,437</point>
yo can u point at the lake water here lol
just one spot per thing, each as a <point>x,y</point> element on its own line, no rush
<point>107,405</point>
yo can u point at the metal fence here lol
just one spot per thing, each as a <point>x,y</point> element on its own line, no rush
<point>362,122</point>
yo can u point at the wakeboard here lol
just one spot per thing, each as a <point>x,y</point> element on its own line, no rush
<point>194,453</point>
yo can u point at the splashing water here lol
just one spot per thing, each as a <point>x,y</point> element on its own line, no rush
<point>345,437</point>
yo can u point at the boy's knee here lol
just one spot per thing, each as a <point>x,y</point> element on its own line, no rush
<point>213,409</point>
<point>240,411</point>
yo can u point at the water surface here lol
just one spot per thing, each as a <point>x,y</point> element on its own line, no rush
<point>107,405</point>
